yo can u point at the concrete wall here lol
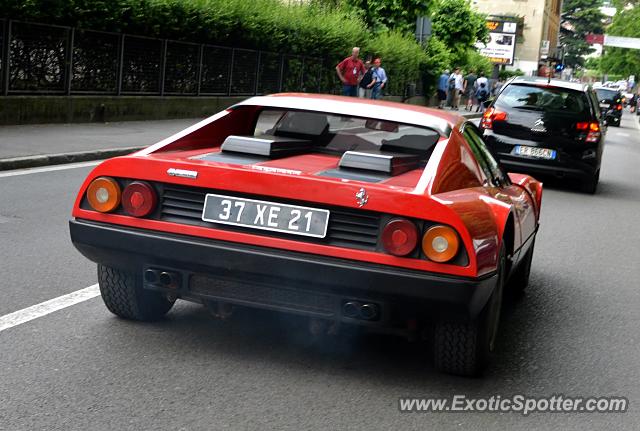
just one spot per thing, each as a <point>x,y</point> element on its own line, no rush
<point>84,109</point>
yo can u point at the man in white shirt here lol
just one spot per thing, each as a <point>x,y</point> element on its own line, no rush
<point>458,83</point>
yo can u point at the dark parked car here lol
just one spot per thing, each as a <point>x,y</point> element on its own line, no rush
<point>610,103</point>
<point>542,126</point>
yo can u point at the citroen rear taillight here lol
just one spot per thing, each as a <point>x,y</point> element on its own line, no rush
<point>592,128</point>
<point>490,116</point>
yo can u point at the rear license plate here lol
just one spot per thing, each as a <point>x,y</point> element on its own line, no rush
<point>540,153</point>
<point>265,215</point>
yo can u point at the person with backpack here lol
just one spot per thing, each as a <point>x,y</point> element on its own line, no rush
<point>379,79</point>
<point>482,91</point>
<point>364,91</point>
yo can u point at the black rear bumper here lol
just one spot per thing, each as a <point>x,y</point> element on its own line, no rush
<point>578,170</point>
<point>209,270</point>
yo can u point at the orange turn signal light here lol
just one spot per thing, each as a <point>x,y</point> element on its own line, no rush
<point>440,243</point>
<point>104,194</point>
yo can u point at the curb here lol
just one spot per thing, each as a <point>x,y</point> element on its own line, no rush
<point>62,158</point>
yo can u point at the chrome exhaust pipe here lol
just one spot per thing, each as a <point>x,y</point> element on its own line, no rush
<point>369,311</point>
<point>151,276</point>
<point>168,279</point>
<point>351,309</point>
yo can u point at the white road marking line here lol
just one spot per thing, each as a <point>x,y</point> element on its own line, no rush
<point>48,169</point>
<point>30,313</point>
<point>626,135</point>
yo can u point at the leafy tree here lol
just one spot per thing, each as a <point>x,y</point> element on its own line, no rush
<point>458,26</point>
<point>402,58</point>
<point>592,63</point>
<point>398,15</point>
<point>438,60</point>
<point>623,60</point>
<point>585,17</point>
<point>621,4</point>
<point>477,62</point>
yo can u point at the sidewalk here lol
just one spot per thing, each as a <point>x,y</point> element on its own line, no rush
<point>28,146</point>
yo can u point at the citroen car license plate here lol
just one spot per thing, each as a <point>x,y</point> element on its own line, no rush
<point>255,214</point>
<point>540,153</point>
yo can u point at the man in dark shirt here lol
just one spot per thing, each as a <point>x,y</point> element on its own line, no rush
<point>470,90</point>
<point>350,71</point>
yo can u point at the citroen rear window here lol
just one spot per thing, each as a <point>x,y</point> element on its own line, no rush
<point>543,98</point>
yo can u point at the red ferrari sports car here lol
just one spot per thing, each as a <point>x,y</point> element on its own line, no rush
<point>345,210</point>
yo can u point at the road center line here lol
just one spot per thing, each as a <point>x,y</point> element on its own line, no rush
<point>48,169</point>
<point>30,313</point>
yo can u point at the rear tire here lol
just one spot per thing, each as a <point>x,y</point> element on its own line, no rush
<point>463,348</point>
<point>124,296</point>
<point>591,185</point>
<point>520,278</point>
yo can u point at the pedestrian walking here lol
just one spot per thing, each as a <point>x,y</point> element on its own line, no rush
<point>379,79</point>
<point>456,86</point>
<point>482,91</point>
<point>442,89</point>
<point>350,71</point>
<point>470,90</point>
<point>364,90</point>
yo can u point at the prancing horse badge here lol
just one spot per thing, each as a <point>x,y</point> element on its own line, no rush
<point>362,197</point>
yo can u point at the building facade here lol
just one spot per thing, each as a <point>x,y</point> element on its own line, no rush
<point>540,35</point>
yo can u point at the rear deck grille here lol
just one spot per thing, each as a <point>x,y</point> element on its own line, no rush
<point>347,228</point>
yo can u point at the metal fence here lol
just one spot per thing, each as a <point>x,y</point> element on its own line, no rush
<point>48,59</point>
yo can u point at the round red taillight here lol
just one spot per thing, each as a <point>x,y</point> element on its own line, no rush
<point>399,237</point>
<point>139,199</point>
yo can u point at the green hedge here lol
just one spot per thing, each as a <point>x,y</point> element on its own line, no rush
<point>259,24</point>
<point>402,59</point>
<point>271,25</point>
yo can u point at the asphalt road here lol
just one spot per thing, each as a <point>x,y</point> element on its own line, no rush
<point>576,332</point>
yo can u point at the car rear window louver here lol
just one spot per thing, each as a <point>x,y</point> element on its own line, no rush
<point>246,150</point>
<point>386,163</point>
<point>266,145</point>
